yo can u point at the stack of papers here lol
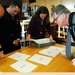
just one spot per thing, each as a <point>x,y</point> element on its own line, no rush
<point>41,42</point>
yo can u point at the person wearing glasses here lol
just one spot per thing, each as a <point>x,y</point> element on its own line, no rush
<point>39,24</point>
<point>61,17</point>
<point>1,14</point>
<point>10,29</point>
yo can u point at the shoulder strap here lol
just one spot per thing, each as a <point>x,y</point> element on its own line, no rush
<point>69,33</point>
<point>72,24</point>
<point>71,18</point>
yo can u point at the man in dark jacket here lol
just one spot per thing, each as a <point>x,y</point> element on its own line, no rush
<point>1,14</point>
<point>10,29</point>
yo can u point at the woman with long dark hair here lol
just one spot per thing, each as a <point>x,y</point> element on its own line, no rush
<point>39,24</point>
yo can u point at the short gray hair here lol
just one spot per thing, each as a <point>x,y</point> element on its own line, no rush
<point>60,9</point>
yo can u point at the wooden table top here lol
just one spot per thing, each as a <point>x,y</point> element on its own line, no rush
<point>60,63</point>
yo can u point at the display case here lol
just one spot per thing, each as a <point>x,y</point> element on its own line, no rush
<point>24,25</point>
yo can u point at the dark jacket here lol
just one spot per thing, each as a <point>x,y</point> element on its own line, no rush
<point>10,30</point>
<point>38,30</point>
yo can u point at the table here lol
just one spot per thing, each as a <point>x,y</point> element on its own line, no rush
<point>60,63</point>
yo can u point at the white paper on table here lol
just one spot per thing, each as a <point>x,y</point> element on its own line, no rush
<point>23,66</point>
<point>19,56</point>
<point>40,59</point>
<point>60,49</point>
<point>49,52</point>
<point>63,52</point>
<point>41,41</point>
<point>52,51</point>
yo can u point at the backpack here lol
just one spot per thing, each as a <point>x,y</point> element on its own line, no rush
<point>72,32</point>
<point>72,24</point>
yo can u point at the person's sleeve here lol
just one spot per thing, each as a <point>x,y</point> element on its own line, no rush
<point>19,32</point>
<point>49,29</point>
<point>18,29</point>
<point>31,26</point>
<point>1,50</point>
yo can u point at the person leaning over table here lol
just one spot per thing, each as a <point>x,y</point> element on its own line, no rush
<point>10,29</point>
<point>61,17</point>
<point>39,24</point>
<point>1,14</point>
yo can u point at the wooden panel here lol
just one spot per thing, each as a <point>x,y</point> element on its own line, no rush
<point>70,4</point>
<point>7,2</point>
<point>49,3</point>
<point>38,2</point>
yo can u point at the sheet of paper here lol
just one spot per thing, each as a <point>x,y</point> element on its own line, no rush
<point>72,49</point>
<point>52,51</point>
<point>60,49</point>
<point>63,52</point>
<point>40,59</point>
<point>19,56</point>
<point>23,66</point>
<point>41,41</point>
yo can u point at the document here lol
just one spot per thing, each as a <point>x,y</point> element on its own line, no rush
<point>41,41</point>
<point>60,49</point>
<point>63,52</point>
<point>23,66</point>
<point>19,56</point>
<point>40,59</point>
<point>52,51</point>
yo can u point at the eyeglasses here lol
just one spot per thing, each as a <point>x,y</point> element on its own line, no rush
<point>57,17</point>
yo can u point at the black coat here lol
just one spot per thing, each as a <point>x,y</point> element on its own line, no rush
<point>38,30</point>
<point>10,30</point>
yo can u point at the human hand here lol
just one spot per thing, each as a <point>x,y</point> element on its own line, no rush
<point>1,55</point>
<point>73,60</point>
<point>28,37</point>
<point>16,42</point>
<point>51,38</point>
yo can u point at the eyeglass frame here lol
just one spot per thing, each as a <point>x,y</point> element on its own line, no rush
<point>57,17</point>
